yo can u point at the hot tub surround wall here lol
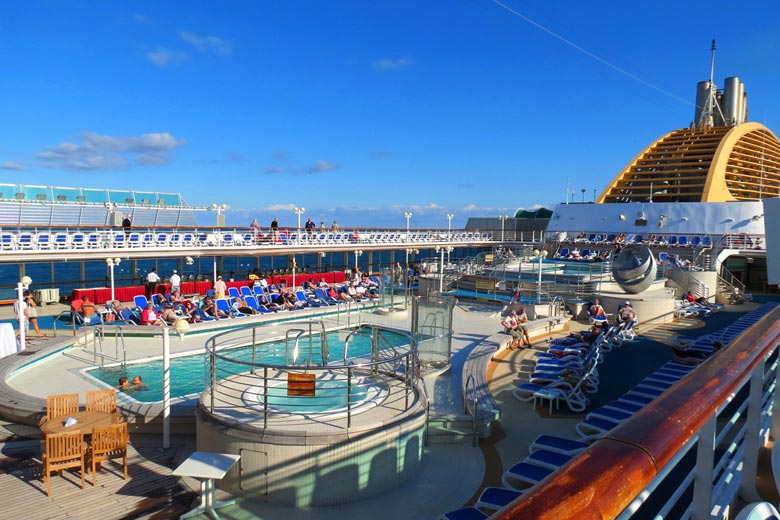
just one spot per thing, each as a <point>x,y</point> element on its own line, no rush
<point>296,466</point>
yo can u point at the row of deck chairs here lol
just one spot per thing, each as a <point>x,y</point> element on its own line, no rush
<point>670,240</point>
<point>685,309</point>
<point>547,453</point>
<point>258,302</point>
<point>725,335</point>
<point>568,370</point>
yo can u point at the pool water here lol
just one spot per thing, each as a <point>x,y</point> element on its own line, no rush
<point>190,374</point>
<point>330,396</point>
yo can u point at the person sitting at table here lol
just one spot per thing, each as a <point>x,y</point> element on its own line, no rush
<point>149,317</point>
<point>123,383</point>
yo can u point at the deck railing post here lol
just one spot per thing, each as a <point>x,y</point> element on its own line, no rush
<point>775,428</point>
<point>701,504</point>
<point>213,373</point>
<point>747,486</point>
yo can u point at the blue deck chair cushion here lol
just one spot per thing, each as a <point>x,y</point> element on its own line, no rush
<point>496,498</point>
<point>467,513</point>
<point>562,445</point>
<point>140,301</point>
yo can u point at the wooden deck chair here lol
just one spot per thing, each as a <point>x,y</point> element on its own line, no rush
<point>108,443</point>
<point>62,404</point>
<point>102,400</point>
<point>62,451</point>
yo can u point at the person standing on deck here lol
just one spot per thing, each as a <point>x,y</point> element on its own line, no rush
<point>127,225</point>
<point>175,282</point>
<point>220,288</point>
<point>152,279</point>
<point>275,229</point>
<point>309,227</point>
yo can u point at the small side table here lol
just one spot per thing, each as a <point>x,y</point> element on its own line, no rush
<point>550,395</point>
<point>207,467</point>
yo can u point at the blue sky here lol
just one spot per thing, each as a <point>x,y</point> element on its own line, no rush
<point>361,111</point>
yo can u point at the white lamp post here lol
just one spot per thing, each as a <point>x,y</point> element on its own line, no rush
<point>182,327</point>
<point>111,263</point>
<point>541,255</point>
<point>299,211</point>
<point>448,249</point>
<point>408,215</point>
<point>220,209</point>
<point>450,216</point>
<point>21,286</point>
<point>502,218</point>
<point>357,254</point>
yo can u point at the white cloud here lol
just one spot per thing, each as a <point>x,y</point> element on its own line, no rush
<point>389,65</point>
<point>317,167</point>
<point>104,152</point>
<point>10,165</point>
<point>207,44</point>
<point>279,207</point>
<point>320,166</point>
<point>163,57</point>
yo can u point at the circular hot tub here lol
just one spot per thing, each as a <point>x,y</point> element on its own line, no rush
<point>330,397</point>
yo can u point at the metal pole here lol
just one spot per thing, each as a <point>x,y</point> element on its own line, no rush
<point>167,389</point>
<point>441,272</point>
<point>22,318</point>
<point>111,267</point>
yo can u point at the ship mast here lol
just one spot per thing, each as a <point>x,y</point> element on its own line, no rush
<point>707,118</point>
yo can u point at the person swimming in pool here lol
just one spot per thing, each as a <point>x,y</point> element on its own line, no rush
<point>123,383</point>
<point>138,383</point>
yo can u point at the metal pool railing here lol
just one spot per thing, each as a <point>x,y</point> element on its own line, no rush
<point>300,375</point>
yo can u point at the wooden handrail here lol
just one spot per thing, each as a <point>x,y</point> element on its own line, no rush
<point>607,477</point>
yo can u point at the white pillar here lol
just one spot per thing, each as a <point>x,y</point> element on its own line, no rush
<point>22,317</point>
<point>166,388</point>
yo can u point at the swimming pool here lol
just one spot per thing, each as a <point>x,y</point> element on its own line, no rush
<point>189,373</point>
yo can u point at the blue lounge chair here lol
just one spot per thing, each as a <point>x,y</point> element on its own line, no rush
<point>246,291</point>
<point>495,498</point>
<point>548,459</point>
<point>224,306</point>
<point>558,444</point>
<point>524,475</point>
<point>140,301</point>
<point>467,513</point>
<point>322,295</point>
<point>233,292</point>
<point>129,317</point>
<point>252,303</point>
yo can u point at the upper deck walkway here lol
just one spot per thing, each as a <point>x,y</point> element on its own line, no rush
<point>24,243</point>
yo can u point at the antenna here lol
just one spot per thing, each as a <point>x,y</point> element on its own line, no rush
<point>707,118</point>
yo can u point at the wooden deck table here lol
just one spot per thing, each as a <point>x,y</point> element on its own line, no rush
<point>85,421</point>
